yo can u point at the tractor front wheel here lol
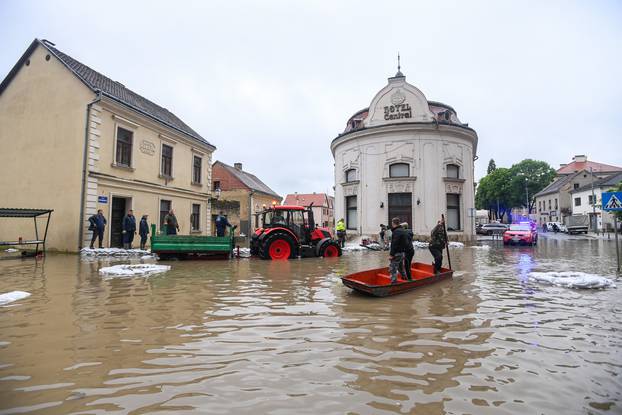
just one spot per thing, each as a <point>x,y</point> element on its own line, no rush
<point>278,246</point>
<point>330,250</point>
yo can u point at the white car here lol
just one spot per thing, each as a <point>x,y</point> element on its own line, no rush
<point>560,226</point>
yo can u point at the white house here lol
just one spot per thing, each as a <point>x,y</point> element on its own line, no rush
<point>406,157</point>
<point>583,203</point>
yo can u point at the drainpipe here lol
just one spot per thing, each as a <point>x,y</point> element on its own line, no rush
<point>250,212</point>
<point>85,168</point>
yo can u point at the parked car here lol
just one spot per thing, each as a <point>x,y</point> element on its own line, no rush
<point>492,229</point>
<point>556,227</point>
<point>520,233</point>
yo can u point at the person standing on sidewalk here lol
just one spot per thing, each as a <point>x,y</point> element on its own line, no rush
<point>129,229</point>
<point>143,231</point>
<point>341,232</point>
<point>97,225</point>
<point>399,246</point>
<point>438,242</point>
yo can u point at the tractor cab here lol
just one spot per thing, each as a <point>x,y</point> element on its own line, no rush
<point>290,231</point>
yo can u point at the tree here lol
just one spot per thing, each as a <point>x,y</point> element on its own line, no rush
<point>491,166</point>
<point>493,193</point>
<point>527,178</point>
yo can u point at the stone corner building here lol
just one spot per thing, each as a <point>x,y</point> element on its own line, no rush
<point>406,157</point>
<point>76,141</point>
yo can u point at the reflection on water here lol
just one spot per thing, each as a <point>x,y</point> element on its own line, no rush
<point>251,336</point>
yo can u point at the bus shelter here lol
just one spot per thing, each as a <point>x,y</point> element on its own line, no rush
<point>34,214</point>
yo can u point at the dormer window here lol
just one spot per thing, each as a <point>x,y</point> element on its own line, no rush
<point>453,171</point>
<point>350,175</point>
<point>399,170</point>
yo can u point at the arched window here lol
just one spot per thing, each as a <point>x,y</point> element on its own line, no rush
<point>399,170</point>
<point>350,175</point>
<point>453,171</point>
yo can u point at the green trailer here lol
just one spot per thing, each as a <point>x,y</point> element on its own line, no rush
<point>182,246</point>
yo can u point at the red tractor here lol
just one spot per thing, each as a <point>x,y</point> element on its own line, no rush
<point>288,232</point>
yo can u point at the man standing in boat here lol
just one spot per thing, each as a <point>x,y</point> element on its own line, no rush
<point>438,242</point>
<point>399,247</point>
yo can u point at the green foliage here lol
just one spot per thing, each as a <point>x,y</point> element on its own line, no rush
<point>534,175</point>
<point>491,166</point>
<point>503,188</point>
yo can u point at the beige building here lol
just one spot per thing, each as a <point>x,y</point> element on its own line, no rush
<point>76,141</point>
<point>233,183</point>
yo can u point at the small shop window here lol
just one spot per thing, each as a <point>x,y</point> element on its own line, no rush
<point>453,212</point>
<point>351,212</point>
<point>399,170</point>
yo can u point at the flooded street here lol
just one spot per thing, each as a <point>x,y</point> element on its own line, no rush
<point>257,337</point>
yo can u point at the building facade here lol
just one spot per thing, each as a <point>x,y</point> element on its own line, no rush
<point>321,204</point>
<point>76,141</point>
<point>406,157</point>
<point>587,200</point>
<point>232,183</point>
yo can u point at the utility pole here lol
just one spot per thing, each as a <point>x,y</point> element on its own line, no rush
<point>527,196</point>
<point>595,226</point>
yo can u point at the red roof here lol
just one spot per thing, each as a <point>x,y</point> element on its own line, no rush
<point>576,166</point>
<point>299,199</point>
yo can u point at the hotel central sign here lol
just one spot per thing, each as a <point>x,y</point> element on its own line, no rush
<point>400,109</point>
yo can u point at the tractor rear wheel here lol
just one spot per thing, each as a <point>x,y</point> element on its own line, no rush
<point>330,250</point>
<point>278,246</point>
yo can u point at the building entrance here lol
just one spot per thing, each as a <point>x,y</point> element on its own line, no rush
<point>119,208</point>
<point>400,206</point>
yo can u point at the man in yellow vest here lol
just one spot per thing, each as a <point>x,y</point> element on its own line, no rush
<point>341,232</point>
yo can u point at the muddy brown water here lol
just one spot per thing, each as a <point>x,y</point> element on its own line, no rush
<point>258,337</point>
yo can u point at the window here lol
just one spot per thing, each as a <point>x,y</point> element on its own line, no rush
<point>399,170</point>
<point>216,184</point>
<point>124,147</point>
<point>550,204</point>
<point>539,206</point>
<point>576,186</point>
<point>195,217</point>
<point>556,204</point>
<point>453,212</point>
<point>196,169</point>
<point>590,200</point>
<point>165,207</point>
<point>351,213</point>
<point>577,201</point>
<point>350,175</point>
<point>167,161</point>
<point>453,171</point>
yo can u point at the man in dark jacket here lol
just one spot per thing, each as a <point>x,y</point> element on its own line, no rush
<point>129,229</point>
<point>97,225</point>
<point>143,231</point>
<point>410,251</point>
<point>399,246</point>
<point>221,224</point>
<point>438,242</point>
<point>172,226</point>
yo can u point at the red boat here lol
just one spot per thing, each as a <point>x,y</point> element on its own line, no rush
<point>377,282</point>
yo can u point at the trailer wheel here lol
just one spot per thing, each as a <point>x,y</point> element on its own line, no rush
<point>330,250</point>
<point>278,246</point>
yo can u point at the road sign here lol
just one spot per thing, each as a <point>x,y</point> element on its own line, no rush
<point>612,201</point>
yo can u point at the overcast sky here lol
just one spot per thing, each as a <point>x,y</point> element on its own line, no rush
<point>271,83</point>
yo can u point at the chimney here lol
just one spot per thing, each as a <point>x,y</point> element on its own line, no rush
<point>238,166</point>
<point>581,158</point>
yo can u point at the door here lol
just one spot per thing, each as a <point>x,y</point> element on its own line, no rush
<point>116,221</point>
<point>400,206</point>
<point>165,207</point>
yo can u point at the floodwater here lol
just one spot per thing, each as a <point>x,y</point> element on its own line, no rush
<point>259,337</point>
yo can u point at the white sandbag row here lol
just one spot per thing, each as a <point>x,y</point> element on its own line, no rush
<point>11,296</point>
<point>115,252</point>
<point>572,279</point>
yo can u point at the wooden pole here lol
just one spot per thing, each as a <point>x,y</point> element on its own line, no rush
<point>446,240</point>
